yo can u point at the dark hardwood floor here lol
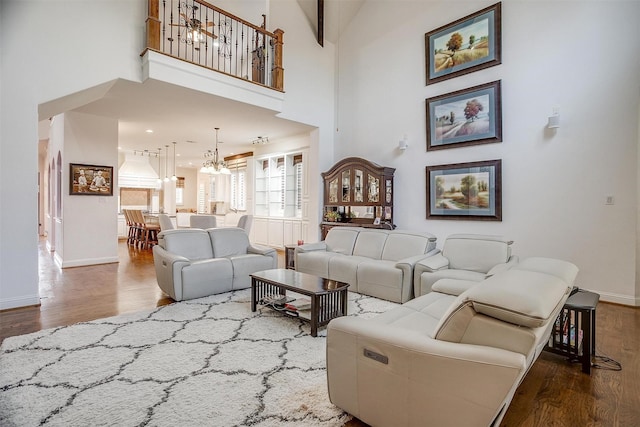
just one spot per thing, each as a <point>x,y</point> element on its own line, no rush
<point>554,392</point>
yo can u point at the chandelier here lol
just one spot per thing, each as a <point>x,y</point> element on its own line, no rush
<point>214,166</point>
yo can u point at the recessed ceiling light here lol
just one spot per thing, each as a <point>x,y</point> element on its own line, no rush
<point>149,131</point>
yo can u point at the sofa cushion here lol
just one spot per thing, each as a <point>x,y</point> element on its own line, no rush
<point>453,287</point>
<point>370,244</point>
<point>228,241</point>
<point>561,269</point>
<point>315,262</point>
<point>342,239</point>
<point>380,279</point>
<point>525,298</point>
<point>206,277</point>
<point>475,252</point>
<point>344,269</point>
<point>244,265</point>
<point>193,244</point>
<point>421,314</point>
<point>400,245</point>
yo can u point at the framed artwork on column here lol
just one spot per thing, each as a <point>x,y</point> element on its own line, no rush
<point>90,180</point>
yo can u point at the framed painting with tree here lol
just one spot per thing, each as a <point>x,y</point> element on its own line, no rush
<point>465,191</point>
<point>466,117</point>
<point>469,44</point>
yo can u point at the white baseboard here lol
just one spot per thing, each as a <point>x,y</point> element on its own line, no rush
<point>619,298</point>
<point>88,261</point>
<point>23,301</point>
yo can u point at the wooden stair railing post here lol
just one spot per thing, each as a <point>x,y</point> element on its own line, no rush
<point>153,25</point>
<point>278,70</point>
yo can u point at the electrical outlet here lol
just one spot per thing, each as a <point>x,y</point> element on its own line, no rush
<point>555,110</point>
<point>610,200</point>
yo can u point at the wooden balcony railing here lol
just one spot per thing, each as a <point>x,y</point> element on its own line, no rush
<point>203,34</point>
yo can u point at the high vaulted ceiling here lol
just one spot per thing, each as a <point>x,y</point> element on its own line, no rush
<point>337,15</point>
<point>189,117</point>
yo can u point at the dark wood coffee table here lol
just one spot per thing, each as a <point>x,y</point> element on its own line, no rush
<point>328,297</point>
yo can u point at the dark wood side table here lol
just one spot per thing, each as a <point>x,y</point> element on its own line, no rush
<point>328,297</point>
<point>290,257</point>
<point>574,334</point>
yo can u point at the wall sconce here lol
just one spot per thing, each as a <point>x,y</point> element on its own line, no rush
<point>402,144</point>
<point>554,121</point>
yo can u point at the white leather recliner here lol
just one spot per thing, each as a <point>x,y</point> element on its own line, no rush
<point>464,259</point>
<point>193,263</point>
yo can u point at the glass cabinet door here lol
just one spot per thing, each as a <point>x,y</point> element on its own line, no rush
<point>333,191</point>
<point>388,192</point>
<point>373,189</point>
<point>346,186</point>
<point>358,196</point>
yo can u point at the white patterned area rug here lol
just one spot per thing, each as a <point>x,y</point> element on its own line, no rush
<point>204,362</point>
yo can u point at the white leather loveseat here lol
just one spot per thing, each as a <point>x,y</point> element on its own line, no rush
<point>193,263</point>
<point>444,359</point>
<point>374,262</point>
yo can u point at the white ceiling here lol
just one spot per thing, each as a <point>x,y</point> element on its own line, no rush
<point>188,117</point>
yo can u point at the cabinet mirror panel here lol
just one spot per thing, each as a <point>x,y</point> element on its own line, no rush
<point>358,196</point>
<point>346,186</point>
<point>333,191</point>
<point>374,186</point>
<point>361,212</point>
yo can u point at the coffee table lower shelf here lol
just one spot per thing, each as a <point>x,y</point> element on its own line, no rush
<point>328,297</point>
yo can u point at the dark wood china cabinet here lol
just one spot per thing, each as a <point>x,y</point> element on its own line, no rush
<point>358,192</point>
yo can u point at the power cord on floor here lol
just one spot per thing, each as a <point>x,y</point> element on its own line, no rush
<point>605,362</point>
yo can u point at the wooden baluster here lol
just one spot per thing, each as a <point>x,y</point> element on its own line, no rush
<point>153,25</point>
<point>278,70</point>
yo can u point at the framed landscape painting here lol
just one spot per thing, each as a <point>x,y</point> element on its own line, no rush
<point>465,191</point>
<point>469,44</point>
<point>90,180</point>
<point>466,117</point>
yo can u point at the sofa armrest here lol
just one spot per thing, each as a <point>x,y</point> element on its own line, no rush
<point>432,263</point>
<point>407,265</point>
<point>310,247</point>
<point>410,262</point>
<point>260,249</point>
<point>265,251</point>
<point>379,372</point>
<point>168,268</point>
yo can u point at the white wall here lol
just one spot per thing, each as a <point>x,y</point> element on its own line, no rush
<point>566,54</point>
<point>190,188</point>
<point>90,226</point>
<point>309,71</point>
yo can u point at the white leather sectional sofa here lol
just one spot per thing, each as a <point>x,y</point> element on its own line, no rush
<point>445,359</point>
<point>374,262</point>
